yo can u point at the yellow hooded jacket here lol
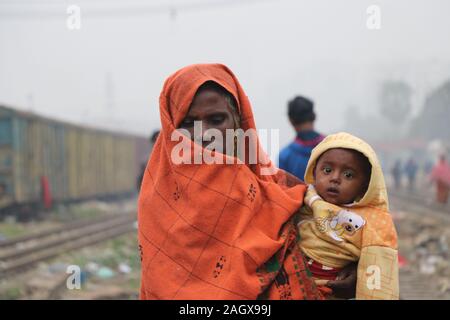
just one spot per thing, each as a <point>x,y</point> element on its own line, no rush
<point>362,231</point>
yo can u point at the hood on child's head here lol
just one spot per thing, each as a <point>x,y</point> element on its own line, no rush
<point>376,194</point>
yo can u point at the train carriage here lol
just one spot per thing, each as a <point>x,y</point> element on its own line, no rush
<point>78,162</point>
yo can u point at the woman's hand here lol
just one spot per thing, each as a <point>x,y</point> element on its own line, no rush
<point>345,284</point>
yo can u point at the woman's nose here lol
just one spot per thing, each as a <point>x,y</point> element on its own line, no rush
<point>206,127</point>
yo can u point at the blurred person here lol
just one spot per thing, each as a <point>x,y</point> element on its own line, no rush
<point>153,139</point>
<point>346,217</point>
<point>218,231</point>
<point>46,194</point>
<point>397,174</point>
<point>411,172</point>
<point>440,175</point>
<point>295,156</point>
<point>141,176</point>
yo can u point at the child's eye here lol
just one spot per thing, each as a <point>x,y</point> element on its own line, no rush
<point>326,170</point>
<point>348,174</point>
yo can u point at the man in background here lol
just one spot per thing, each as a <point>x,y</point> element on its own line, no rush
<point>295,156</point>
<point>411,171</point>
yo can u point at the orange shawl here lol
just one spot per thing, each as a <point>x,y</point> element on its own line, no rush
<point>217,231</point>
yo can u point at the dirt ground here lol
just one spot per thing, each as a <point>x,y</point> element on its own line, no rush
<point>111,270</point>
<point>424,243</point>
<point>108,270</point>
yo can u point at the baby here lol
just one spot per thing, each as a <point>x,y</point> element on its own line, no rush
<point>345,217</point>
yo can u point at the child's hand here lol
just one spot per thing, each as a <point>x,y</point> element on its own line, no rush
<point>311,196</point>
<point>315,202</point>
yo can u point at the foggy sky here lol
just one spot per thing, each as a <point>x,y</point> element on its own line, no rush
<point>110,72</point>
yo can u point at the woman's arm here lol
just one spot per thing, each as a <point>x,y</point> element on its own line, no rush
<point>345,284</point>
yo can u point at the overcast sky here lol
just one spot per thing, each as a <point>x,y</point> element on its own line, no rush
<point>110,72</point>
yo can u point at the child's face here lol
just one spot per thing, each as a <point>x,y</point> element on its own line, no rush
<point>341,176</point>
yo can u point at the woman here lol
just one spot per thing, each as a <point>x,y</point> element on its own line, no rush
<point>221,230</point>
<point>441,175</point>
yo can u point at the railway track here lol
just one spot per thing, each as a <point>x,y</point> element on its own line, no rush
<point>417,287</point>
<point>422,205</point>
<point>422,212</point>
<point>19,254</point>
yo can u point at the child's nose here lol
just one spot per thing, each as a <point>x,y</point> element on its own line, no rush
<point>335,177</point>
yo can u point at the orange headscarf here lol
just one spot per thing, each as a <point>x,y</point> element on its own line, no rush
<point>217,231</point>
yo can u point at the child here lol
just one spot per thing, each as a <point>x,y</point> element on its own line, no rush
<point>345,217</point>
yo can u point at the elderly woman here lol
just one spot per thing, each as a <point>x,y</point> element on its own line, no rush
<point>222,229</point>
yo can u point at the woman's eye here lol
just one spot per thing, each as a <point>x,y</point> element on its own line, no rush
<point>217,119</point>
<point>326,170</point>
<point>187,123</point>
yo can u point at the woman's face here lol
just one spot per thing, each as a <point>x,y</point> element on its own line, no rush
<point>212,109</point>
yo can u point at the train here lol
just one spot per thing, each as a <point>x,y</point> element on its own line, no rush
<point>45,161</point>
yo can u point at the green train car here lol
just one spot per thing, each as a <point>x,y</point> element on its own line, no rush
<point>77,162</point>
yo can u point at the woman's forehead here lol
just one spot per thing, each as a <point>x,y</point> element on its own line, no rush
<point>208,101</point>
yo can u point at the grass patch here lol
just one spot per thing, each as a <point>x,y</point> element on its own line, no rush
<point>11,294</point>
<point>11,230</point>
